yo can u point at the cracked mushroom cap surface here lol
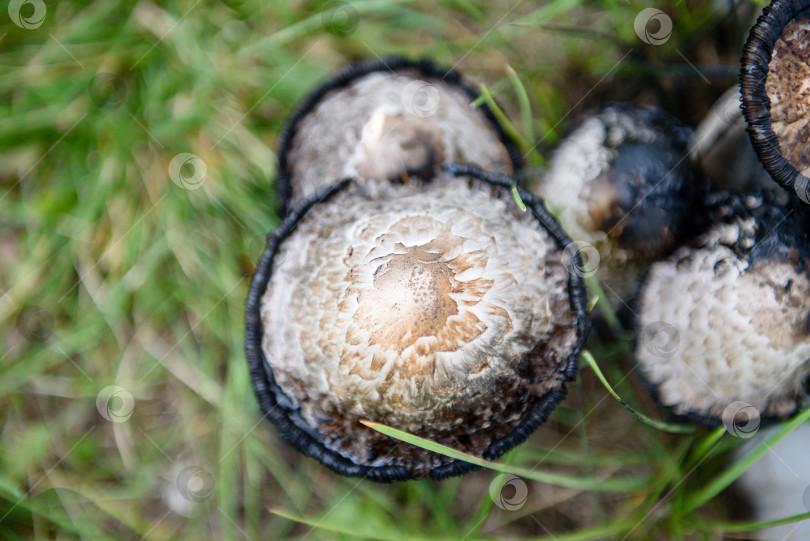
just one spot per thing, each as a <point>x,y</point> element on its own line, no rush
<point>622,183</point>
<point>775,85</point>
<point>388,120</point>
<point>728,318</point>
<point>440,309</point>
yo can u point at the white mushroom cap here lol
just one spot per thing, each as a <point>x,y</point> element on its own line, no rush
<point>726,320</point>
<point>388,120</point>
<point>439,309</point>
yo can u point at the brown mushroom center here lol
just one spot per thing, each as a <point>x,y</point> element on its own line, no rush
<point>410,298</point>
<point>788,89</point>
<point>398,145</point>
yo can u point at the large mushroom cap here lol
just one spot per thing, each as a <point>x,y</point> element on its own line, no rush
<point>726,319</point>
<point>440,309</point>
<point>775,86</point>
<point>388,119</point>
<point>622,183</point>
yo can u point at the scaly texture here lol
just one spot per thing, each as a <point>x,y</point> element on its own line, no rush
<point>726,320</point>
<point>440,309</point>
<point>788,89</point>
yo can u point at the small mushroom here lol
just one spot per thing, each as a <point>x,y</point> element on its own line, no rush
<point>727,318</point>
<point>775,85</point>
<point>437,308</point>
<point>622,183</point>
<point>388,119</point>
<point>721,150</point>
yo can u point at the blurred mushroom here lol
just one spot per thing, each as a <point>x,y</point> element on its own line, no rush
<point>622,183</point>
<point>388,119</point>
<point>437,308</point>
<point>721,150</point>
<point>727,319</point>
<point>775,85</point>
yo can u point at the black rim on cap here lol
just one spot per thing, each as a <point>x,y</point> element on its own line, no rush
<point>287,418</point>
<point>360,69</point>
<point>756,104</point>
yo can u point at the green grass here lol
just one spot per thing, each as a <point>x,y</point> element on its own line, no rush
<point>113,274</point>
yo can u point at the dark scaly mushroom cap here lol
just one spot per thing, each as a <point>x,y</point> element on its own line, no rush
<point>727,318</point>
<point>388,119</point>
<point>437,308</point>
<point>775,85</point>
<point>622,182</point>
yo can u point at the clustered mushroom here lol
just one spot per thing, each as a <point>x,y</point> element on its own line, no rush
<point>775,85</point>
<point>406,286</point>
<point>726,318</point>
<point>622,184</point>
<point>428,302</point>
<point>391,119</point>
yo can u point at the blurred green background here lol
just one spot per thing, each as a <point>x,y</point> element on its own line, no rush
<point>126,409</point>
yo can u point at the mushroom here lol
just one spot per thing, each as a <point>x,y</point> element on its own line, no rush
<point>727,318</point>
<point>721,150</point>
<point>438,308</point>
<point>775,85</point>
<point>388,119</point>
<point>622,183</point>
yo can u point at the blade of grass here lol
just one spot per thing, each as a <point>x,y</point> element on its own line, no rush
<point>660,425</point>
<point>627,484</point>
<point>526,116</point>
<point>723,480</point>
<point>734,527</point>
<point>506,124</point>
